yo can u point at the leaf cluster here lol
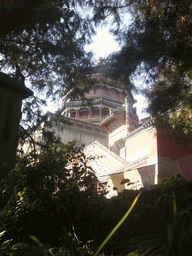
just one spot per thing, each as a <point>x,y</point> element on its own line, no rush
<point>42,42</point>
<point>73,247</point>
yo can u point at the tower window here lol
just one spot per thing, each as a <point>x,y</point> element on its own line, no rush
<point>104,90</point>
<point>123,95</point>
<point>105,112</point>
<point>95,112</point>
<point>72,113</point>
<point>91,91</point>
<point>113,93</point>
<point>83,113</point>
<point>97,90</point>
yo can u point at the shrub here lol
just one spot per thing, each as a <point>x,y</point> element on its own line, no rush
<point>48,189</point>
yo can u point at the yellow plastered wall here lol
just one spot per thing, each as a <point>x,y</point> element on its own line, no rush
<point>143,144</point>
<point>115,181</point>
<point>134,177</point>
<point>110,187</point>
<point>109,160</point>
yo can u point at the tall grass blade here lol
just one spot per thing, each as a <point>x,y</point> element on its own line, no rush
<point>118,225</point>
<point>36,240</point>
<point>174,208</point>
<point>2,233</point>
<point>171,227</point>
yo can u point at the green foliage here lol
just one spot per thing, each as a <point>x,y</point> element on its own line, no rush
<point>173,182</point>
<point>56,181</point>
<point>177,240</point>
<point>73,247</point>
<point>159,224</point>
<point>65,163</point>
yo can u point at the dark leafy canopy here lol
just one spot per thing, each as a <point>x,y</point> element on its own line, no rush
<point>159,43</point>
<point>43,41</point>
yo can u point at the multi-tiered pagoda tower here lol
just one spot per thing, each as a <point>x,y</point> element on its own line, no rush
<point>110,107</point>
<point>106,97</point>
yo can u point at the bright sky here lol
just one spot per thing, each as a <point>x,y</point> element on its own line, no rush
<point>103,44</point>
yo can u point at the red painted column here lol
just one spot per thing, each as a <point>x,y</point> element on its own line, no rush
<point>77,113</point>
<point>90,113</point>
<point>100,111</point>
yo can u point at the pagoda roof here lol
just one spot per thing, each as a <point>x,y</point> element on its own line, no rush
<point>80,124</point>
<point>111,123</point>
<point>101,100</point>
<point>117,83</point>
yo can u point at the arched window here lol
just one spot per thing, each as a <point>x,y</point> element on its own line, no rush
<point>113,93</point>
<point>95,112</point>
<point>72,113</point>
<point>91,91</point>
<point>83,113</point>
<point>123,95</point>
<point>97,90</point>
<point>118,94</point>
<point>105,112</point>
<point>104,90</point>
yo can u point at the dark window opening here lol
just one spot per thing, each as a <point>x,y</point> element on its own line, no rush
<point>113,93</point>
<point>105,112</point>
<point>95,112</point>
<point>72,113</point>
<point>97,90</point>
<point>83,113</point>
<point>105,91</point>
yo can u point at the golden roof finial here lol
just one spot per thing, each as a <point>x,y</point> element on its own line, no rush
<point>100,60</point>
